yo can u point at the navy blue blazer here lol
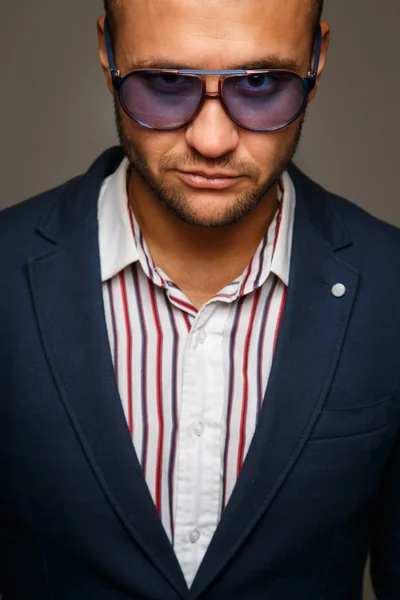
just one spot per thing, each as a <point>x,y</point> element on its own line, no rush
<point>320,487</point>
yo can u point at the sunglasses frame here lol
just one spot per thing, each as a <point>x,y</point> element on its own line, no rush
<point>308,84</point>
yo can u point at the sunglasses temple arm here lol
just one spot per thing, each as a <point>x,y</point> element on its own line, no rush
<point>312,76</point>
<point>317,52</point>
<point>107,38</point>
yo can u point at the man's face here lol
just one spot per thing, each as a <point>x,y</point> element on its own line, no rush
<point>212,35</point>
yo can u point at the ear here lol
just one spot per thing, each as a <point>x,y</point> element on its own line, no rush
<point>103,53</point>
<point>326,35</point>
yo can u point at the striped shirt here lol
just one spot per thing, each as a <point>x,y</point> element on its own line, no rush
<point>192,382</point>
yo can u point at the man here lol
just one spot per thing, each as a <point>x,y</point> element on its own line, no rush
<point>199,362</point>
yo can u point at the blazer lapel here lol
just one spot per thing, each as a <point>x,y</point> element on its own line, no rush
<point>311,335</point>
<point>67,292</point>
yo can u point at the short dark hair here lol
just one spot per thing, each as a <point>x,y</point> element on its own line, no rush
<point>109,6</point>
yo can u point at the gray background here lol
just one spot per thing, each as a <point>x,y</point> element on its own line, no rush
<point>56,114</point>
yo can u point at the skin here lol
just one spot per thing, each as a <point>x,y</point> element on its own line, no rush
<point>205,238</point>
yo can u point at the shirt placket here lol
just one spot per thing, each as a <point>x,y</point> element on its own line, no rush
<point>198,478</point>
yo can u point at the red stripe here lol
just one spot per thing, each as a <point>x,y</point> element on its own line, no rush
<point>278,324</point>
<point>184,304</point>
<point>246,278</point>
<point>175,417</point>
<point>187,321</point>
<point>159,400</point>
<point>278,225</point>
<point>245,399</point>
<point>225,296</point>
<point>262,334</point>
<point>129,347</point>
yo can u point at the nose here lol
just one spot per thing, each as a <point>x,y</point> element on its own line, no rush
<point>212,133</point>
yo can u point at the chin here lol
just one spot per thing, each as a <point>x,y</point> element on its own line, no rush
<point>211,214</point>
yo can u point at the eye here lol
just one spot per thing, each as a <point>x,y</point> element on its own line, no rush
<point>259,81</point>
<point>170,78</point>
<point>257,85</point>
<point>256,80</point>
<point>168,83</point>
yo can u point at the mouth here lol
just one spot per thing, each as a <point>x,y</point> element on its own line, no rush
<point>213,181</point>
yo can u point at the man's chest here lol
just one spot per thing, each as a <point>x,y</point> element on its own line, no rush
<point>192,384</point>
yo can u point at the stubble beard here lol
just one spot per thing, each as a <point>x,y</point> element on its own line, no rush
<point>178,203</point>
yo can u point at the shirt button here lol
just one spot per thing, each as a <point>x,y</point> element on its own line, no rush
<point>198,428</point>
<point>202,336</point>
<point>194,536</point>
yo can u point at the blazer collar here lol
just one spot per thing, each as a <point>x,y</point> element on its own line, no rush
<point>76,202</point>
<point>314,204</point>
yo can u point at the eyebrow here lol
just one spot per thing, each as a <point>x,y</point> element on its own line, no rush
<point>272,61</point>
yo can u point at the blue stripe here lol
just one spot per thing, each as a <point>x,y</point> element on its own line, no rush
<point>151,271</point>
<point>260,392</point>
<point>257,281</point>
<point>143,386</point>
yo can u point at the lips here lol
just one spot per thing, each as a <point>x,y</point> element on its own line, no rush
<point>206,175</point>
<point>201,180</point>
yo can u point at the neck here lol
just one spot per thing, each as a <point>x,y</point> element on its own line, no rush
<point>200,260</point>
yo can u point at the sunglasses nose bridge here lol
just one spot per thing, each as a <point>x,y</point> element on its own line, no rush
<point>212,95</point>
<point>216,95</point>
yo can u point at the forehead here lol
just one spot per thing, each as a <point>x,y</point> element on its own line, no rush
<point>212,34</point>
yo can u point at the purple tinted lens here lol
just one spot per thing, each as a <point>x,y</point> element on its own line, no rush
<point>161,100</point>
<point>264,101</point>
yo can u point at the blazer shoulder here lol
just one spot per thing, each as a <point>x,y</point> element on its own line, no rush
<point>359,220</point>
<point>362,227</point>
<point>18,223</point>
<point>27,214</point>
<point>376,239</point>
<point>61,208</point>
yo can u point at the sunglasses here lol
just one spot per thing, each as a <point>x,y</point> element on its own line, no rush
<point>260,100</point>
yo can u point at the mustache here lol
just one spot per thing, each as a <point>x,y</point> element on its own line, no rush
<point>188,160</point>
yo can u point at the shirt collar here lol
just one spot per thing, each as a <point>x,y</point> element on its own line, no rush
<point>116,242</point>
<point>118,248</point>
<point>280,265</point>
